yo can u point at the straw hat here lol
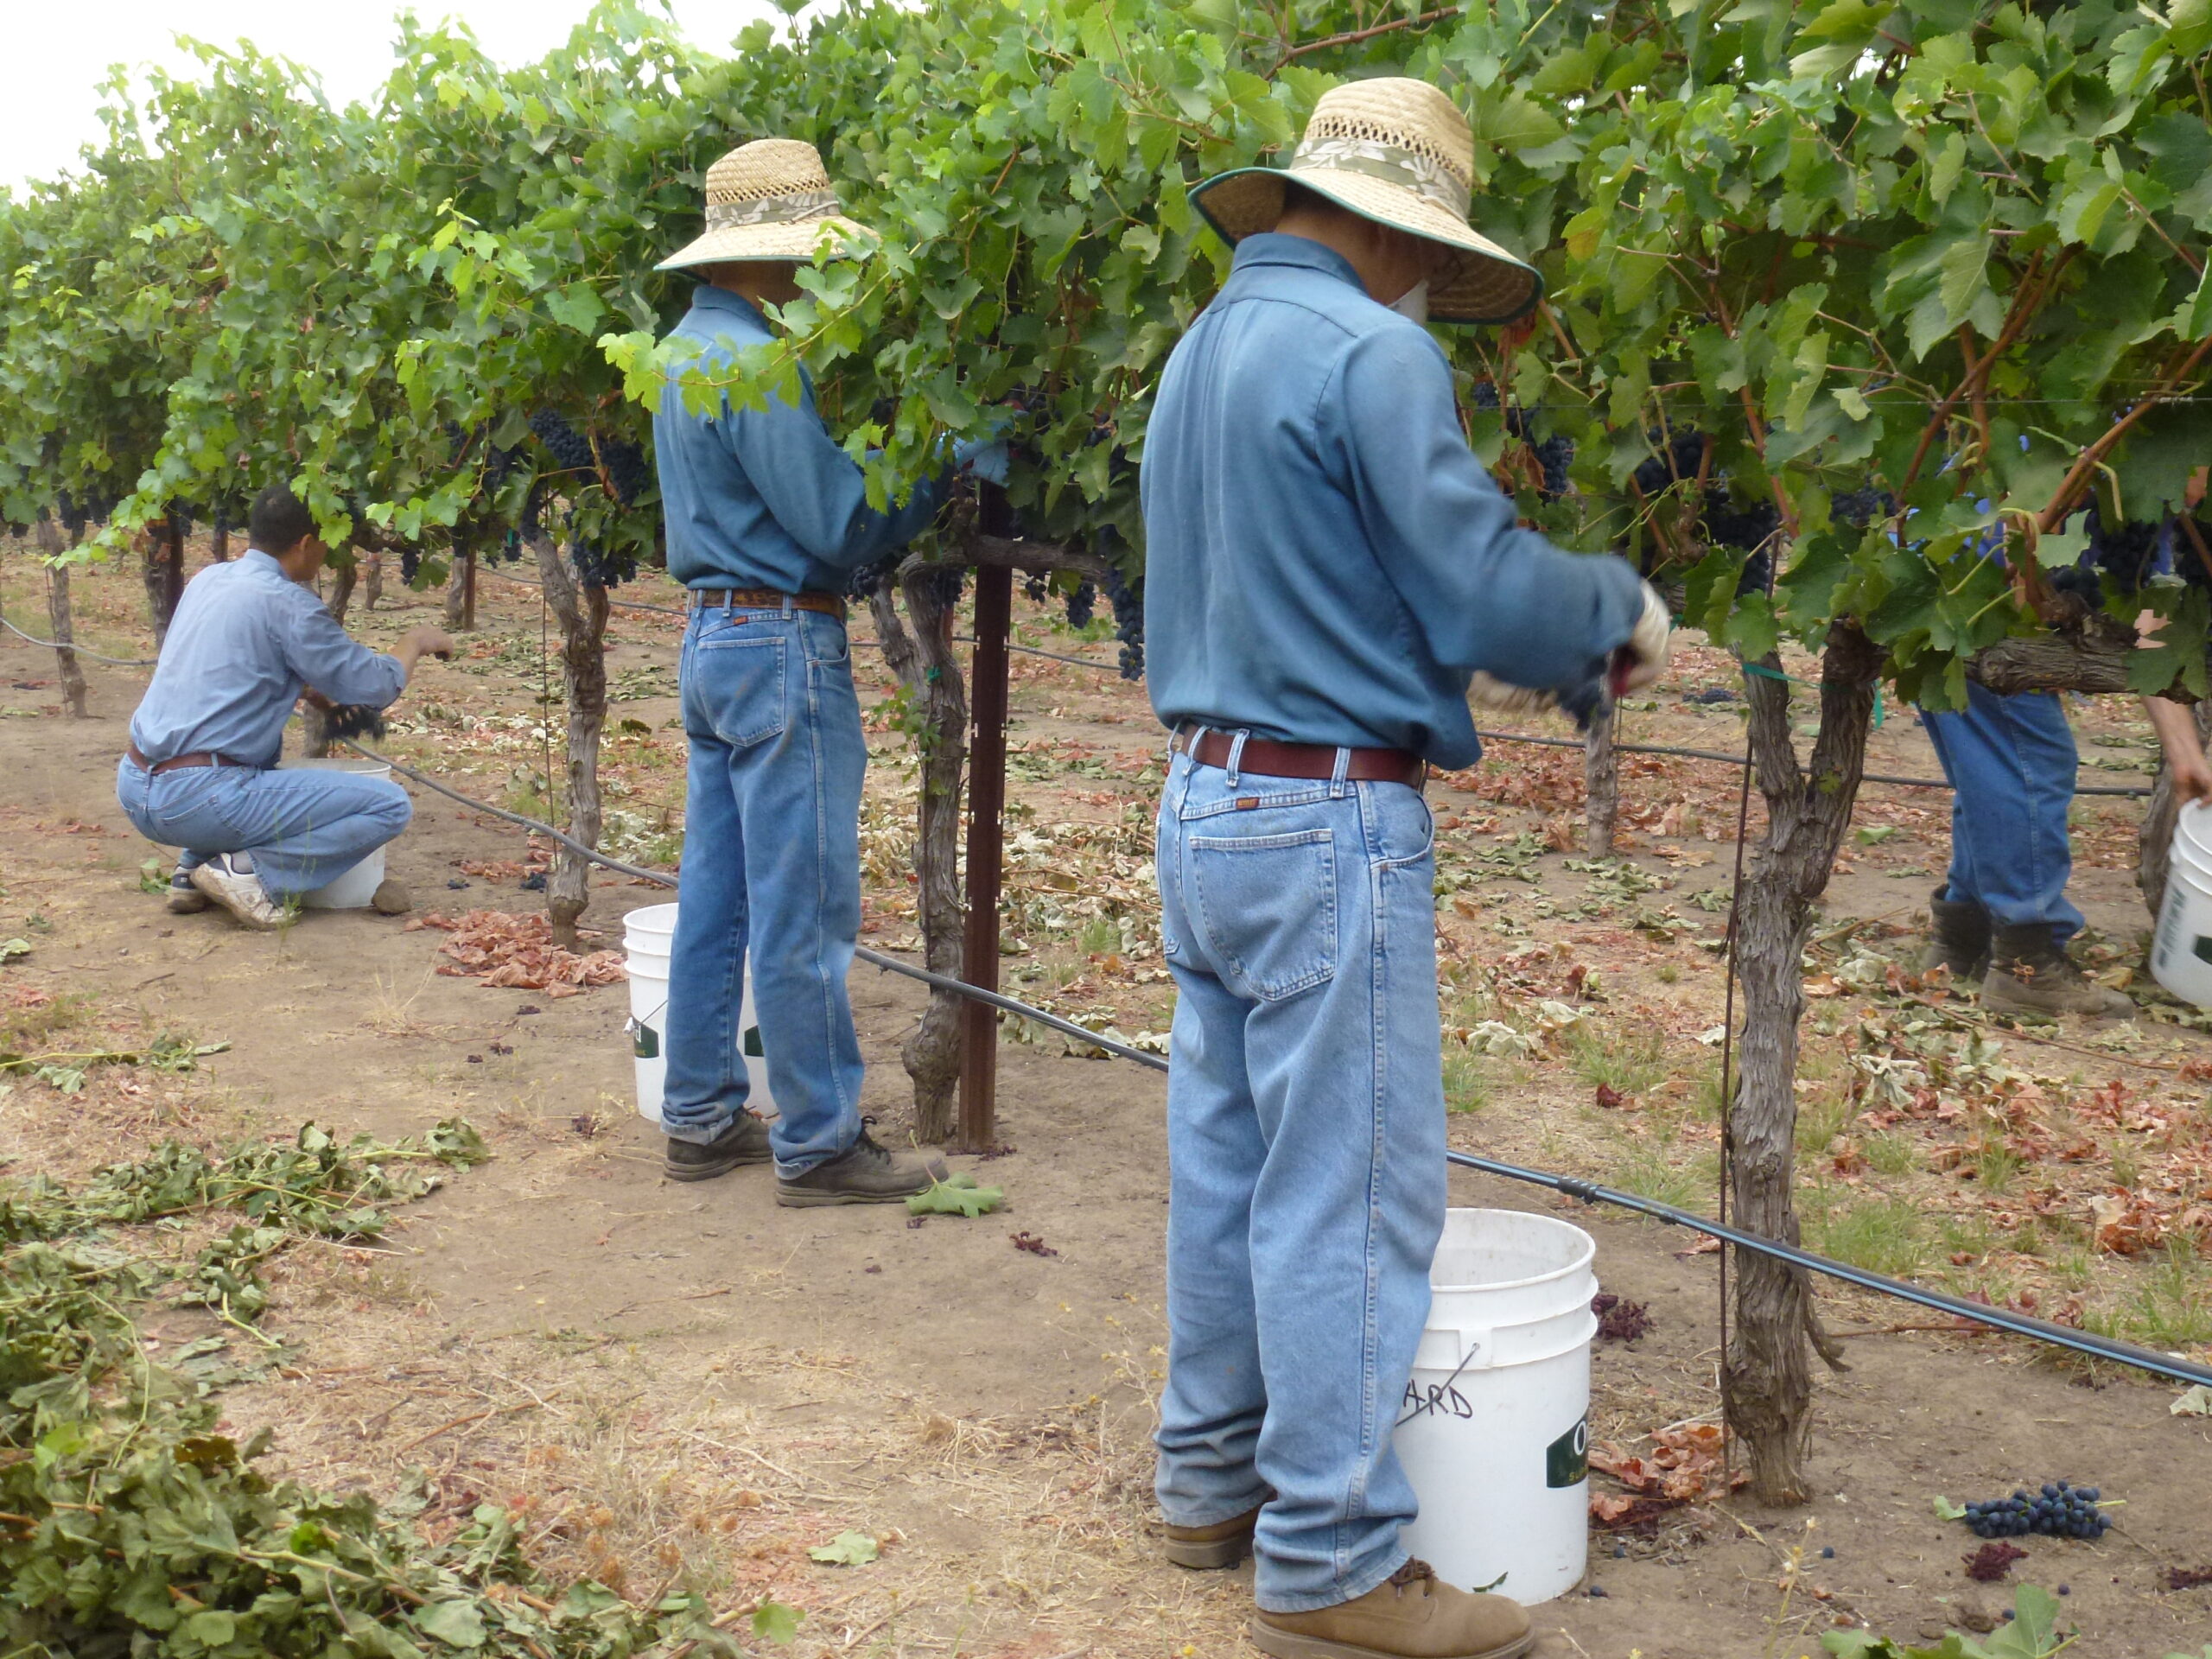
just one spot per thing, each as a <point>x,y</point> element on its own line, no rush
<point>1398,152</point>
<point>767,199</point>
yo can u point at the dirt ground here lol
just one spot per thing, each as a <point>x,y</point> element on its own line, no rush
<point>684,1384</point>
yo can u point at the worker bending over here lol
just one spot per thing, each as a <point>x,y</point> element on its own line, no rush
<point>1327,565</point>
<point>248,639</point>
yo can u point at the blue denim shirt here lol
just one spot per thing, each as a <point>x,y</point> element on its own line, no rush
<point>1327,559</point>
<point>244,640</point>
<point>764,498</point>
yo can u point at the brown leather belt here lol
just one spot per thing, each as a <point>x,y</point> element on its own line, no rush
<point>765,599</point>
<point>184,762</point>
<point>1266,758</point>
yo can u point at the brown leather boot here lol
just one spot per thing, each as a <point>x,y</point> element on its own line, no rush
<point>1411,1615</point>
<point>2031,973</point>
<point>1958,937</point>
<point>1224,1543</point>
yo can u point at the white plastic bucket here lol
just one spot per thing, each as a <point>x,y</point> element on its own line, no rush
<point>648,934</point>
<point>2181,952</point>
<point>1495,1429</point>
<point>352,890</point>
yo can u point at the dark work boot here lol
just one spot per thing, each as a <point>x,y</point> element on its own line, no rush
<point>1224,1543</point>
<point>745,1141</point>
<point>2031,973</point>
<point>1958,936</point>
<point>863,1174</point>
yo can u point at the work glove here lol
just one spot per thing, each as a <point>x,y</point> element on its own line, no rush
<point>1643,659</point>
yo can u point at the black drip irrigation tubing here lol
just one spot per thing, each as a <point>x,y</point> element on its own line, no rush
<point>2020,1325</point>
<point>873,958</point>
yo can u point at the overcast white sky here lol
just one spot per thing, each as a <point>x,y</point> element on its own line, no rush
<point>58,50</point>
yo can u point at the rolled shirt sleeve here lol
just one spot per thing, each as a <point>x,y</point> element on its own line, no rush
<point>1483,593</point>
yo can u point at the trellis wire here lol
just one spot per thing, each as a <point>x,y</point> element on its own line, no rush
<point>55,645</point>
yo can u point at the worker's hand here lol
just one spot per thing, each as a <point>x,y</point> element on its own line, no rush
<point>2191,773</point>
<point>1488,691</point>
<point>428,641</point>
<point>1643,659</point>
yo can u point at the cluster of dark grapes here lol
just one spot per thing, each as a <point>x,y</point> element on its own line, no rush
<point>1860,508</point>
<point>1554,455</point>
<point>410,561</point>
<point>570,449</point>
<point>863,583</point>
<point>1128,608</point>
<point>1081,601</point>
<point>626,469</point>
<point>1676,461</point>
<point>354,720</point>
<point>2059,1511</point>
<point>600,567</point>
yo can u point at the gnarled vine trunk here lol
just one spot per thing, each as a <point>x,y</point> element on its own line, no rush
<point>371,578</point>
<point>928,667</point>
<point>1601,775</point>
<point>161,550</point>
<point>1767,1387</point>
<point>343,577</point>
<point>461,586</point>
<point>581,612</point>
<point>57,615</point>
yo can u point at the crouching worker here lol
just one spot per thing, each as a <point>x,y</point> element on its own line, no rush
<point>248,639</point>
<point>1328,565</point>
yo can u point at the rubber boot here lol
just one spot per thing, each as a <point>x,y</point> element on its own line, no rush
<point>2031,973</point>
<point>1958,936</point>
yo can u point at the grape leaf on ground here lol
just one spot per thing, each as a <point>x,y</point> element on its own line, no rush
<point>957,1195</point>
<point>846,1549</point>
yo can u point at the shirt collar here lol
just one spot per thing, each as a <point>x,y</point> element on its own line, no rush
<point>1274,248</point>
<point>707,297</point>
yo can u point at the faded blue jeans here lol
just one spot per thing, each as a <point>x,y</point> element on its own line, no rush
<point>2012,766</point>
<point>304,828</point>
<point>1305,1146</point>
<point>771,862</point>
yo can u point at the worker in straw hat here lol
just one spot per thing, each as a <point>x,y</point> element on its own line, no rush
<point>767,516</point>
<point>1327,565</point>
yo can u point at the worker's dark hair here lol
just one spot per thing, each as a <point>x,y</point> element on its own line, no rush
<point>280,520</point>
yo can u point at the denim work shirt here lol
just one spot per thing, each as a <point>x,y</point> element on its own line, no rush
<point>1327,559</point>
<point>244,640</point>
<point>764,497</point>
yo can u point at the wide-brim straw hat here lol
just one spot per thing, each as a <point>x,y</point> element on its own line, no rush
<point>770,200</point>
<point>1401,153</point>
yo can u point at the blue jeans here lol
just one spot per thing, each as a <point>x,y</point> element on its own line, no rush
<point>771,861</point>
<point>1305,1149</point>
<point>2011,764</point>
<point>304,828</point>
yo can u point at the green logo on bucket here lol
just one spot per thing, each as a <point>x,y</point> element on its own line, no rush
<point>2203,949</point>
<point>647,1044</point>
<point>1566,1460</point>
<point>753,1043</point>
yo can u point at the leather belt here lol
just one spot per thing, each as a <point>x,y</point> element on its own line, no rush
<point>1267,759</point>
<point>764,599</point>
<point>184,762</point>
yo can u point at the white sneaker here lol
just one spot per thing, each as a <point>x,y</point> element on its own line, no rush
<point>185,899</point>
<point>239,892</point>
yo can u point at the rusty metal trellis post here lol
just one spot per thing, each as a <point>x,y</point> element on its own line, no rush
<point>986,835</point>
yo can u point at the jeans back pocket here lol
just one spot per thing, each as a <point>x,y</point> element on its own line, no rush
<point>1268,904</point>
<point>733,687</point>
